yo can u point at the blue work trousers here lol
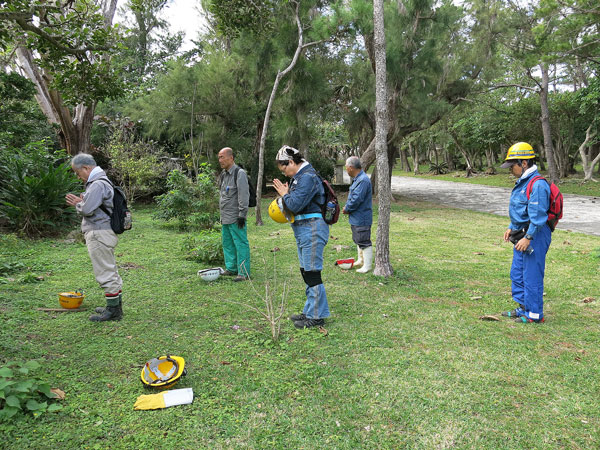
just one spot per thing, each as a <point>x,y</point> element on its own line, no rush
<point>311,237</point>
<point>527,275</point>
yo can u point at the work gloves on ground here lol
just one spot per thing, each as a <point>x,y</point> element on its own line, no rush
<point>164,399</point>
<point>241,222</point>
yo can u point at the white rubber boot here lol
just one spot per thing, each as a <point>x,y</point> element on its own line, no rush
<point>359,260</point>
<point>368,256</point>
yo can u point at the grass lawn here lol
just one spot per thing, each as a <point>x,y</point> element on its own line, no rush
<point>572,185</point>
<point>406,364</point>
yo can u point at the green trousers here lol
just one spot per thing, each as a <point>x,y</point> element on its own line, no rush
<point>236,249</point>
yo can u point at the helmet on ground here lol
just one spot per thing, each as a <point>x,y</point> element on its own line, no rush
<point>163,372</point>
<point>520,150</point>
<point>278,213</point>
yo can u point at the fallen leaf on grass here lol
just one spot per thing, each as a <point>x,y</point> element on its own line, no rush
<point>225,363</point>
<point>323,331</point>
<point>489,317</point>
<point>60,395</point>
<point>588,300</point>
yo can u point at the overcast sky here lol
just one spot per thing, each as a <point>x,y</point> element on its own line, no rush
<point>183,15</point>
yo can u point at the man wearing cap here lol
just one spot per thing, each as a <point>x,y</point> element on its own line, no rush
<point>233,205</point>
<point>360,209</point>
<point>530,233</point>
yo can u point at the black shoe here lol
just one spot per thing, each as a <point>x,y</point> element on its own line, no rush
<point>296,317</point>
<point>241,278</point>
<point>307,323</point>
<point>110,313</point>
<point>228,273</point>
<point>101,309</point>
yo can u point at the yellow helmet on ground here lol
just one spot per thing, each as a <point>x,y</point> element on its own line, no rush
<point>278,213</point>
<point>520,150</point>
<point>163,372</point>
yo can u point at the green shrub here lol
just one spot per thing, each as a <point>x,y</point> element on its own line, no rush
<point>22,392</point>
<point>322,164</point>
<point>10,267</point>
<point>33,185</point>
<point>205,248</point>
<point>193,204</point>
<point>438,169</point>
<point>135,165</point>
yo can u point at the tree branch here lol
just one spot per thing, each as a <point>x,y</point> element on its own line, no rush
<point>20,19</point>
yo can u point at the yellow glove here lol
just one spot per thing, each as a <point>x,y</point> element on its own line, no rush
<point>154,401</point>
<point>165,399</point>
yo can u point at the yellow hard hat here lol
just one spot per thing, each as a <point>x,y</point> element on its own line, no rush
<point>520,150</point>
<point>163,372</point>
<point>278,213</point>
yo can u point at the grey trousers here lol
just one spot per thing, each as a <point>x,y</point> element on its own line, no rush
<point>101,248</point>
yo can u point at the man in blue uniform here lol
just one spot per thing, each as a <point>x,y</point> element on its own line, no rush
<point>360,209</point>
<point>530,233</point>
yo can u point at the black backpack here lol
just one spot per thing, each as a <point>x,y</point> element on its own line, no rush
<point>331,208</point>
<point>120,219</point>
<point>251,188</point>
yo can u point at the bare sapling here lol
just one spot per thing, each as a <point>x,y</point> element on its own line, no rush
<point>274,308</point>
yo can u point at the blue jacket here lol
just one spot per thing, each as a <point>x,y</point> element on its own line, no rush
<point>306,194</point>
<point>359,205</point>
<point>534,210</point>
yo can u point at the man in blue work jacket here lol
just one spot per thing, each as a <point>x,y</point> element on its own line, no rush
<point>530,233</point>
<point>359,207</point>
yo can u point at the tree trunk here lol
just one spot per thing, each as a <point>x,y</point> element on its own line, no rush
<point>382,255</point>
<point>585,152</point>
<point>546,129</point>
<point>263,136</point>
<point>469,171</point>
<point>448,159</point>
<point>404,159</point>
<point>415,156</point>
<point>489,158</point>
<point>76,126</point>
<point>542,157</point>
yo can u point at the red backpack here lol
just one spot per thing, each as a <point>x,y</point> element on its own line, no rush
<point>555,212</point>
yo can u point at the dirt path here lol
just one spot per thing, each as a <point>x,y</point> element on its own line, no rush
<point>581,213</point>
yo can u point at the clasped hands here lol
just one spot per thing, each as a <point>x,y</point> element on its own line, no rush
<point>281,188</point>
<point>73,199</point>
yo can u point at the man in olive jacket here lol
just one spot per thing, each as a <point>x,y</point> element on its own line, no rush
<point>234,195</point>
